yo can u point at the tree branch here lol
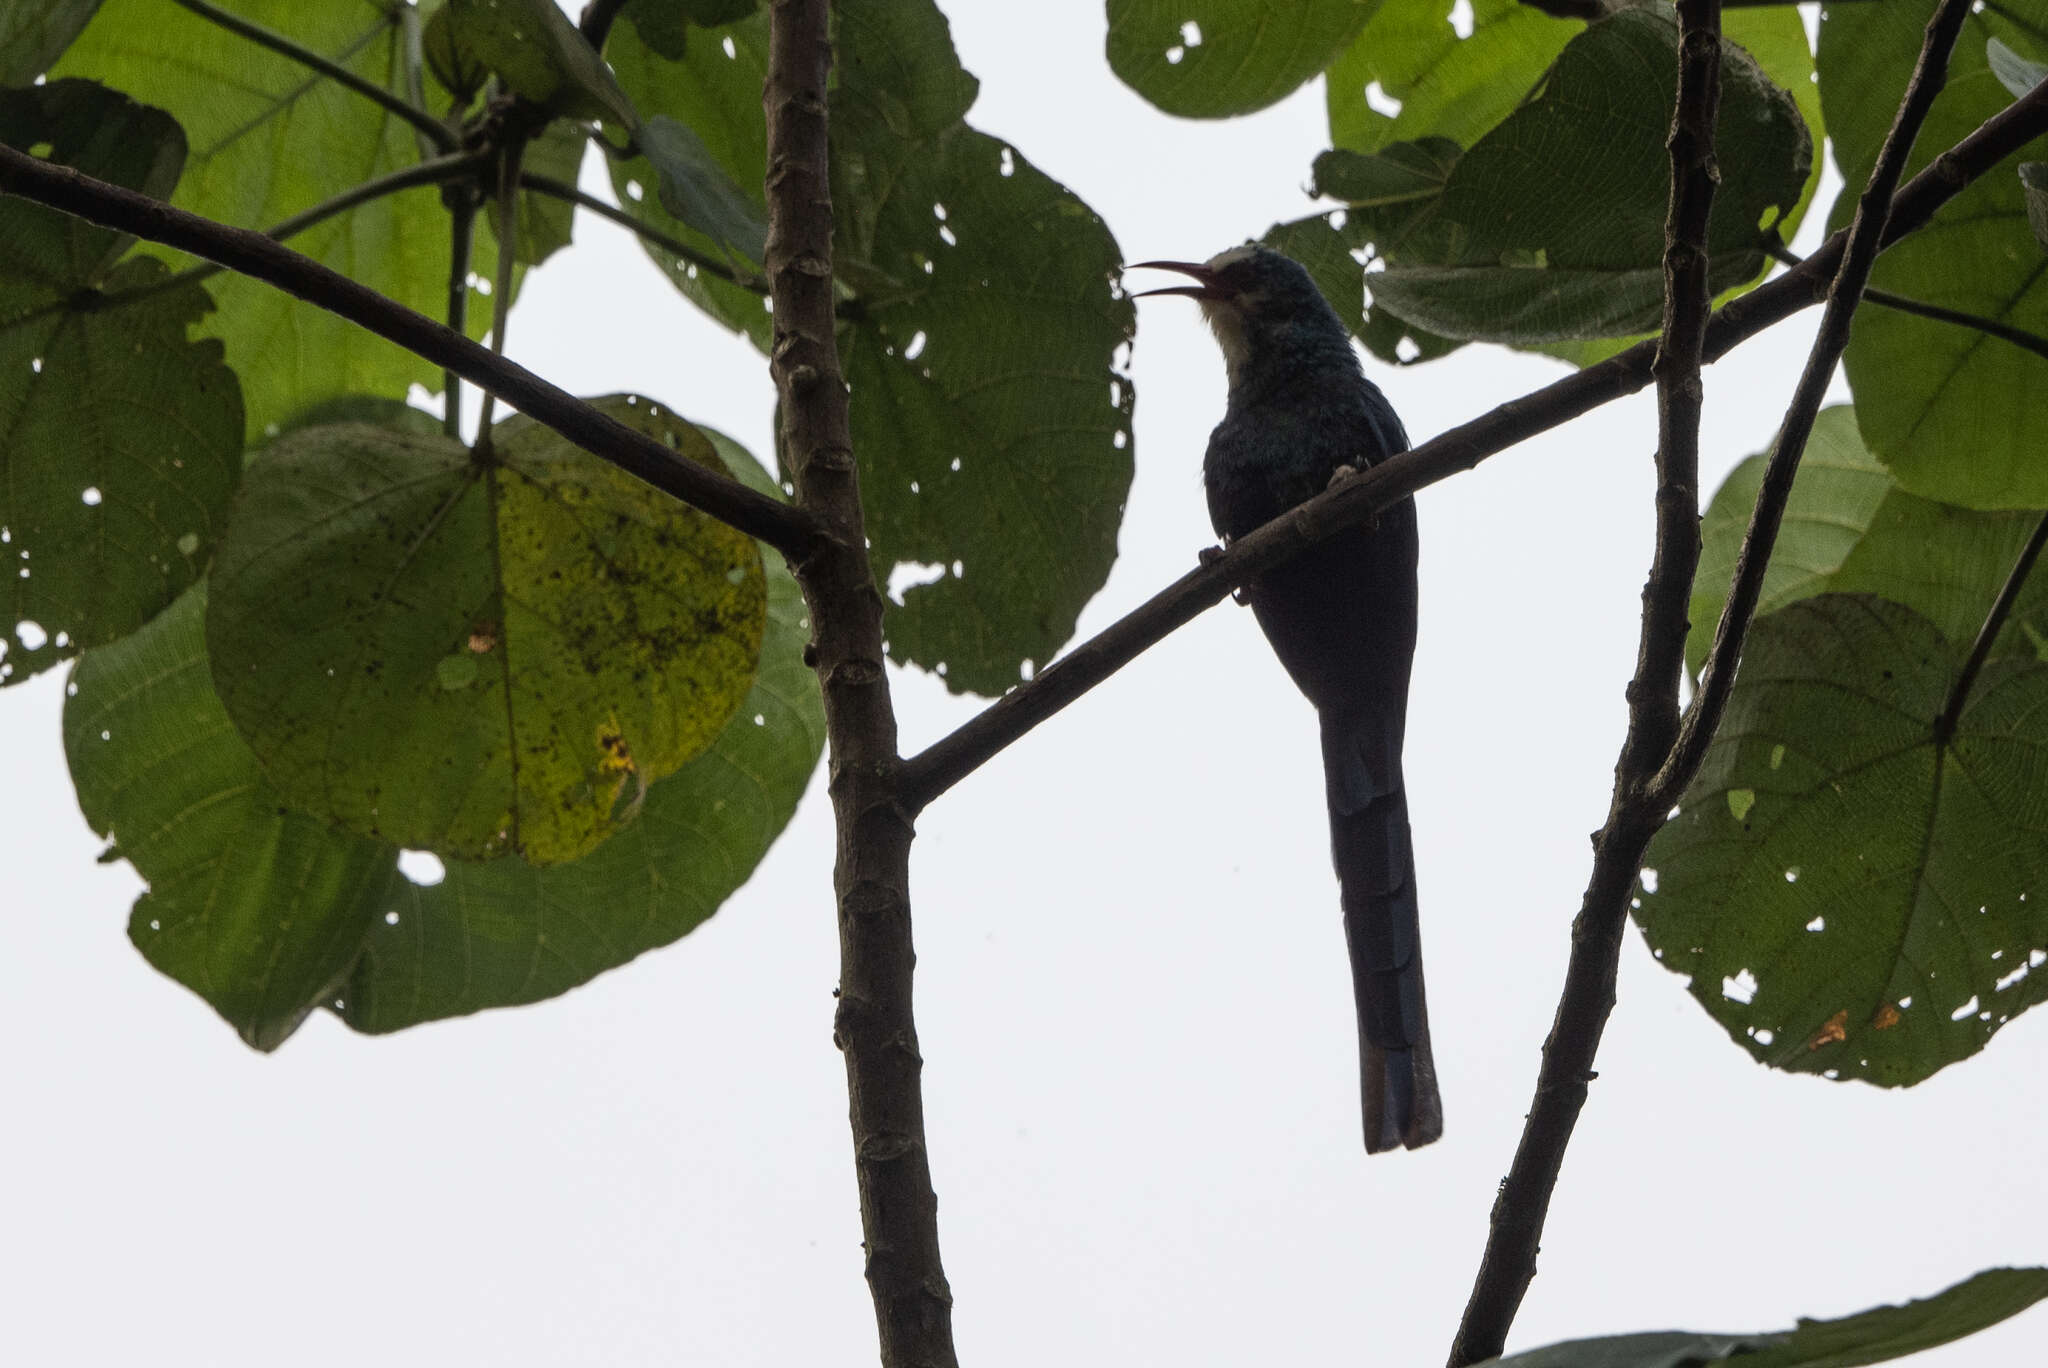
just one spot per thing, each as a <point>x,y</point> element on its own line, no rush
<point>953,757</point>
<point>1987,634</point>
<point>1899,303</point>
<point>597,21</point>
<point>873,1026</point>
<point>443,136</point>
<point>1523,1203</point>
<point>1867,233</point>
<point>462,238</point>
<point>787,529</point>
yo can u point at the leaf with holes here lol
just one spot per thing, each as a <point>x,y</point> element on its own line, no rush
<point>718,97</point>
<point>1950,409</point>
<point>1209,59</point>
<point>991,409</point>
<point>476,656</point>
<point>505,932</point>
<point>258,909</point>
<point>1875,1336</point>
<point>1550,228</point>
<point>1849,892</point>
<point>1849,529</point>
<point>34,33</point>
<point>533,48</point>
<point>268,141</point>
<point>120,439</point>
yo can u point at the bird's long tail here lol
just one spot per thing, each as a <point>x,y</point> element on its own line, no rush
<point>1375,859</point>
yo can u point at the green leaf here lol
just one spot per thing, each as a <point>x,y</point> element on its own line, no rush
<point>1890,1332</point>
<point>1209,59</point>
<point>451,61</point>
<point>718,97</point>
<point>2034,183</point>
<point>664,25</point>
<point>1878,910</point>
<point>2013,71</point>
<point>1550,228</point>
<point>612,633</point>
<point>1849,528</point>
<point>1834,501</point>
<point>34,33</point>
<point>532,47</point>
<point>1445,86</point>
<point>505,932</point>
<point>699,192</point>
<point>258,909</point>
<point>120,439</point>
<point>269,140</point>
<point>1949,409</point>
<point>1875,1336</point>
<point>990,412</point>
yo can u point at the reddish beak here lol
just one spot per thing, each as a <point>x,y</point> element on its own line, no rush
<point>1205,289</point>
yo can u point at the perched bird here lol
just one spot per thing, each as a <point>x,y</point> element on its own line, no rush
<point>1341,617</point>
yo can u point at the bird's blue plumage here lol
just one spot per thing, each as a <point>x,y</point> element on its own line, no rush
<point>1341,616</point>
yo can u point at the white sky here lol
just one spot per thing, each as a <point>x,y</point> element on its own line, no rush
<point>1133,998</point>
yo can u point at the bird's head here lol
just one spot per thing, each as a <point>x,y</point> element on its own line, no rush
<point>1263,308</point>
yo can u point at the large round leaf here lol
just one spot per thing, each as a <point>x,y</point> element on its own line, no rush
<point>120,439</point>
<point>34,32</point>
<point>258,909</point>
<point>506,932</point>
<point>270,139</point>
<point>991,410</point>
<point>478,655</point>
<point>1848,893</point>
<point>1213,58</point>
<point>1952,411</point>
<point>1849,528</point>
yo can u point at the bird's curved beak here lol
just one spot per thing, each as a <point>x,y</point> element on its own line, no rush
<point>1205,288</point>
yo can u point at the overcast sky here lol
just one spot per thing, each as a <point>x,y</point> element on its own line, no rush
<point>1132,993</point>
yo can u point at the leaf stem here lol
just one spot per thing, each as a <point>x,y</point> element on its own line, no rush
<point>874,1025</point>
<point>1987,634</point>
<point>703,261</point>
<point>441,135</point>
<point>413,56</point>
<point>598,17</point>
<point>960,752</point>
<point>790,530</point>
<point>1515,1228</point>
<point>1991,327</point>
<point>462,218</point>
<point>509,156</point>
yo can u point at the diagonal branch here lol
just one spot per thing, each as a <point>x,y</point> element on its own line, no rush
<point>428,126</point>
<point>953,757</point>
<point>873,1026</point>
<point>789,530</point>
<point>1523,1203</point>
<point>1866,235</point>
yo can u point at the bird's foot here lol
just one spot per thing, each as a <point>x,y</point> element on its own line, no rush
<point>1209,555</point>
<point>1341,474</point>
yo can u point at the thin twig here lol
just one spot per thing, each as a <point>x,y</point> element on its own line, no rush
<point>509,157</point>
<point>1866,236</point>
<point>789,530</point>
<point>1990,327</point>
<point>703,261</point>
<point>958,754</point>
<point>1523,1202</point>
<point>443,137</point>
<point>1987,634</point>
<point>874,1026</point>
<point>462,219</point>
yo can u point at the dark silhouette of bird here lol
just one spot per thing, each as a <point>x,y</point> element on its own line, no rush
<point>1341,617</point>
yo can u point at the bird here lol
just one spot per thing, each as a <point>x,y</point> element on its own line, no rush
<point>1341,616</point>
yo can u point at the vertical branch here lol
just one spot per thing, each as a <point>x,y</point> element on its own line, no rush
<point>462,219</point>
<point>1509,1263</point>
<point>507,221</point>
<point>873,1025</point>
